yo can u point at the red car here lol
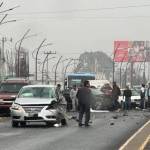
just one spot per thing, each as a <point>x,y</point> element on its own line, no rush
<point>8,90</point>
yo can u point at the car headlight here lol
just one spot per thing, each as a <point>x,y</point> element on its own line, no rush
<point>1,99</point>
<point>16,106</point>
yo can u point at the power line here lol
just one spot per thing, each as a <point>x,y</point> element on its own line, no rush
<point>71,18</point>
<point>82,10</point>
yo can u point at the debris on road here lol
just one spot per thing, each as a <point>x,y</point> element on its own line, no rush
<point>112,123</point>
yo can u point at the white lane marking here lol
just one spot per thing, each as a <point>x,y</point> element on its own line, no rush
<point>145,143</point>
<point>133,136</point>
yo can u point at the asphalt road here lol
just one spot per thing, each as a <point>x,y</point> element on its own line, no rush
<point>108,131</point>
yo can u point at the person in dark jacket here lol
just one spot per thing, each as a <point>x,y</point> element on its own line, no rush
<point>115,95</point>
<point>84,101</point>
<point>142,94</point>
<point>148,95</point>
<point>127,95</point>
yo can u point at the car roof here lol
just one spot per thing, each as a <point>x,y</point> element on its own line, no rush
<point>40,85</point>
<point>15,80</point>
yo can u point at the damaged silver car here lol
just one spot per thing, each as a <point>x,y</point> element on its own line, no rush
<point>35,103</point>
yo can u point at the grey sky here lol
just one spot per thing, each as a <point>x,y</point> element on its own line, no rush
<point>75,26</point>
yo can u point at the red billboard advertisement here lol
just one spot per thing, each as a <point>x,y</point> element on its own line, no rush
<point>131,51</point>
<point>121,51</point>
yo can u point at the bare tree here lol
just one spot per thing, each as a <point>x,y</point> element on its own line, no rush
<point>4,14</point>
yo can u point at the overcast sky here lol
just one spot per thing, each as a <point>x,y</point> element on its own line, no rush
<point>75,26</point>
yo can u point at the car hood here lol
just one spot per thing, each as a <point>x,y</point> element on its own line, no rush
<point>7,95</point>
<point>34,101</point>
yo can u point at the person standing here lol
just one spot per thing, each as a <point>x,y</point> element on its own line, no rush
<point>61,106</point>
<point>73,97</point>
<point>59,93</point>
<point>115,95</point>
<point>142,94</point>
<point>84,96</point>
<point>148,95</point>
<point>127,94</point>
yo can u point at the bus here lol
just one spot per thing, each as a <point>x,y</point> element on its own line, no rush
<point>77,79</point>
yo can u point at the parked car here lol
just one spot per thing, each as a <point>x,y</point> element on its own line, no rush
<point>100,100</point>
<point>9,88</point>
<point>135,98</point>
<point>34,103</point>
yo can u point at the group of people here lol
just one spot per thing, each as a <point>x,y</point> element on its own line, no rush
<point>127,93</point>
<point>82,98</point>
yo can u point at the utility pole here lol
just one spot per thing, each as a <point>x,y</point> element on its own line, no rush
<point>131,75</point>
<point>47,54</point>
<point>2,56</point>
<point>114,55</point>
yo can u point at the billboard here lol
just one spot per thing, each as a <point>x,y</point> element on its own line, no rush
<point>131,51</point>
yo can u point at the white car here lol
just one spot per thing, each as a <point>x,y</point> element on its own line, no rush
<point>35,103</point>
<point>135,98</point>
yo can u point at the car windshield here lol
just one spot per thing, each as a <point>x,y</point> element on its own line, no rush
<point>135,93</point>
<point>38,92</point>
<point>11,87</point>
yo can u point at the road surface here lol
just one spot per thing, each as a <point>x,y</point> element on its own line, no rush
<point>108,131</point>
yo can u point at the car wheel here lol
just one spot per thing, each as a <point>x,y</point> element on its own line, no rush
<point>14,124</point>
<point>23,124</point>
<point>63,122</point>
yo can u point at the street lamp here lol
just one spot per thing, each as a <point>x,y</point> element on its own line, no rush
<point>36,58</point>
<point>66,69</point>
<point>43,66</point>
<point>18,53</point>
<point>114,62</point>
<point>121,69</point>
<point>56,68</point>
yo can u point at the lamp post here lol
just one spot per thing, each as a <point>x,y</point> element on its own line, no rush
<point>18,53</point>
<point>43,66</point>
<point>121,69</point>
<point>36,58</point>
<point>56,69</point>
<point>66,69</point>
<point>113,78</point>
<point>18,50</point>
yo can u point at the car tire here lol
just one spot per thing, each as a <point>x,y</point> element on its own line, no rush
<point>23,124</point>
<point>14,124</point>
<point>64,122</point>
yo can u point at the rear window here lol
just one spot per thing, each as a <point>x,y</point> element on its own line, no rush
<point>11,87</point>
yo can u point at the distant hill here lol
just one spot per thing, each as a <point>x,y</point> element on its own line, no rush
<point>97,62</point>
